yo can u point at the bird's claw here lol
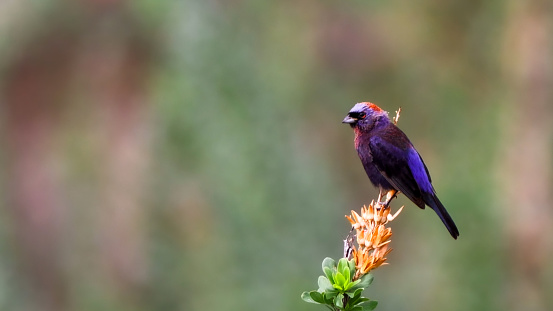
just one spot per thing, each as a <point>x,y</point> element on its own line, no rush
<point>388,195</point>
<point>379,205</point>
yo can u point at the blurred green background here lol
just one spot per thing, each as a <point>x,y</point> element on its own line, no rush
<point>189,155</point>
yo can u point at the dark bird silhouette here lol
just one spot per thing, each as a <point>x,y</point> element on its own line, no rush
<point>392,162</point>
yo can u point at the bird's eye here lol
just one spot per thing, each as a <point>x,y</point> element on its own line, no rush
<point>357,115</point>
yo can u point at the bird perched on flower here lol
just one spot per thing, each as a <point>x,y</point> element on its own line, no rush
<point>392,162</point>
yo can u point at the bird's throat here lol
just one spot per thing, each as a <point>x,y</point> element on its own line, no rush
<point>358,136</point>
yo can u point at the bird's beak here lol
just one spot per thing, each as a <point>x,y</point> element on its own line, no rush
<point>349,120</point>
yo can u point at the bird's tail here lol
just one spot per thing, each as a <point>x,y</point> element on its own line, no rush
<point>434,203</point>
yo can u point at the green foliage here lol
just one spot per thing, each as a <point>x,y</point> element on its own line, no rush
<point>338,291</point>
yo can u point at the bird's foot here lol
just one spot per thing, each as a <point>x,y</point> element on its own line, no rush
<point>390,195</point>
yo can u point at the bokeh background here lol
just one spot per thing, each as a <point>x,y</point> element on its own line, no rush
<point>189,155</point>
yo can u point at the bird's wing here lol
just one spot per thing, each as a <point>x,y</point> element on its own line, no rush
<point>425,168</point>
<point>402,167</point>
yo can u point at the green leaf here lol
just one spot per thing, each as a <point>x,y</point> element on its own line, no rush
<point>339,301</point>
<point>355,283</point>
<point>343,265</point>
<point>357,299</point>
<point>328,273</point>
<point>339,281</point>
<point>351,265</point>
<point>347,275</point>
<point>352,293</point>
<point>365,281</point>
<point>329,296</point>
<point>324,284</point>
<point>317,297</point>
<point>307,297</point>
<point>350,285</point>
<point>371,305</point>
<point>330,263</point>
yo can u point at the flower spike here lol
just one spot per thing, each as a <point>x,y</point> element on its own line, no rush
<point>373,237</point>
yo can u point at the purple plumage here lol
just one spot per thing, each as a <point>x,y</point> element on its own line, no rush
<point>391,161</point>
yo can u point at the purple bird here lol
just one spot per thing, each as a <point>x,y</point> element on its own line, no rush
<point>392,162</point>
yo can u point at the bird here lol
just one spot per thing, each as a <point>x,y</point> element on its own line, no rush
<point>391,161</point>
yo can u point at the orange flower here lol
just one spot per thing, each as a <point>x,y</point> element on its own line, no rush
<point>373,237</point>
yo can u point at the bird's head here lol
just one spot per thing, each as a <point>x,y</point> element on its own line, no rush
<point>364,116</point>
